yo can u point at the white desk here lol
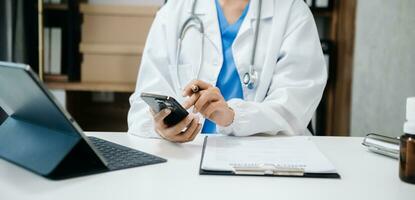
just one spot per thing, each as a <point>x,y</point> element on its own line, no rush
<point>364,176</point>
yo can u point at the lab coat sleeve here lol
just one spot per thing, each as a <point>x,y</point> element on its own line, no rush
<point>295,89</point>
<point>153,77</point>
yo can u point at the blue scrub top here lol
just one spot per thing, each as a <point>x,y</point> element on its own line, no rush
<point>228,80</point>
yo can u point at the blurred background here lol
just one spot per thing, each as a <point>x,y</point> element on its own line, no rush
<point>88,54</point>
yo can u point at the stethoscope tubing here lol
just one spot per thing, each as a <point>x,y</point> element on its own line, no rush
<point>194,21</point>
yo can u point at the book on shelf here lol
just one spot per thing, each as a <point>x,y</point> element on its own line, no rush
<point>319,4</point>
<point>46,49</point>
<point>52,50</point>
<point>56,50</point>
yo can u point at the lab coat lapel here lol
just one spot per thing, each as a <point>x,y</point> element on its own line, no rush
<point>206,10</point>
<point>213,59</point>
<point>242,46</point>
<point>248,25</point>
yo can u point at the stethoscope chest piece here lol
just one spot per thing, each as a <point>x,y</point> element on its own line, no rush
<point>250,79</point>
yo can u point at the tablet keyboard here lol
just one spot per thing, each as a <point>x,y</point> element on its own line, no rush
<point>121,157</point>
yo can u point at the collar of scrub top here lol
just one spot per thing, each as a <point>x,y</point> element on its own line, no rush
<point>204,7</point>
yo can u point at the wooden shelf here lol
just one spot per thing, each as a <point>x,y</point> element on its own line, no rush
<point>322,13</point>
<point>125,10</point>
<point>96,87</point>
<point>50,6</point>
<point>111,49</point>
<point>55,78</point>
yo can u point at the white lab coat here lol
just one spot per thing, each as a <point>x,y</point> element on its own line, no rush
<point>289,61</point>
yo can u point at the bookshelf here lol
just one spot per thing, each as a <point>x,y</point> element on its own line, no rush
<point>48,10</point>
<point>334,109</point>
<point>65,17</point>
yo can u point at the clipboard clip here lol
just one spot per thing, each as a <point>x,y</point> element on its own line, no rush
<point>267,169</point>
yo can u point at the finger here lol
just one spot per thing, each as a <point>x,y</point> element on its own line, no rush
<point>210,110</point>
<point>188,90</point>
<point>191,101</point>
<point>161,134</point>
<point>195,133</point>
<point>202,110</point>
<point>177,129</point>
<point>205,99</point>
<point>187,135</point>
<point>158,117</point>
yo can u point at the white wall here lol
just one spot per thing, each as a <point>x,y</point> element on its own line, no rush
<point>384,65</point>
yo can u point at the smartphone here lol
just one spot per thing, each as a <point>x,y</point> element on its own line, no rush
<point>160,102</point>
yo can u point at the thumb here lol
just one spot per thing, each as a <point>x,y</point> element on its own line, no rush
<point>162,114</point>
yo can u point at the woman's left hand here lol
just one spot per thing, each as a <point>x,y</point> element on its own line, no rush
<point>208,101</point>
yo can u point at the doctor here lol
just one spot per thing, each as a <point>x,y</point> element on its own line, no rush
<point>258,65</point>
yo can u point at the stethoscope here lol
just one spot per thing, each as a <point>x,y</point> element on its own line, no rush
<point>250,78</point>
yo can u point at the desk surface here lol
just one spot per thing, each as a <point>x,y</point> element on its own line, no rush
<point>364,176</point>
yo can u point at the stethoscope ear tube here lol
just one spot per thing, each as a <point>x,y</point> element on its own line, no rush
<point>250,78</point>
<point>178,49</point>
<point>196,23</point>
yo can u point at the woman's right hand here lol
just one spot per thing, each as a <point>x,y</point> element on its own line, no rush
<point>185,131</point>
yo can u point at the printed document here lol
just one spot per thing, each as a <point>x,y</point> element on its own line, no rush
<point>222,153</point>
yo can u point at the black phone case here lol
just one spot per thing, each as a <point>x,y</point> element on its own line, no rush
<point>160,102</point>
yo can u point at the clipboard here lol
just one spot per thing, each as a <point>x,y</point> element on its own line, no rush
<point>266,170</point>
